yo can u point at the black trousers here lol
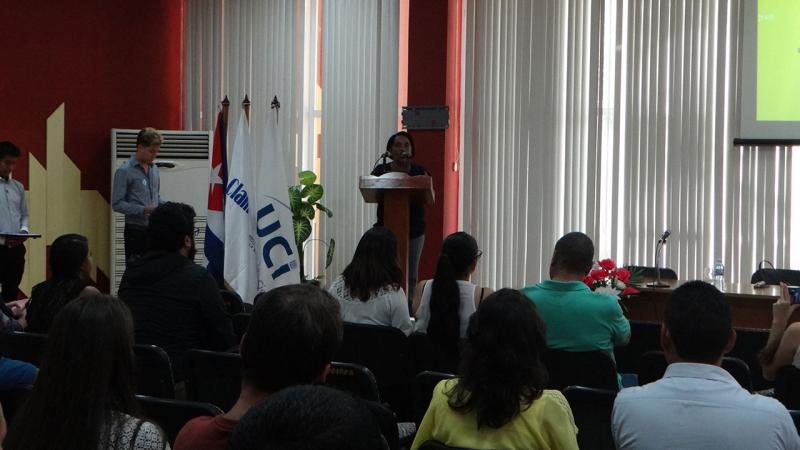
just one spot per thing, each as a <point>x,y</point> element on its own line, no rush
<point>12,265</point>
<point>135,241</point>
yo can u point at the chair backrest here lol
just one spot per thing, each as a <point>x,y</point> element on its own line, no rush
<point>749,342</point>
<point>424,383</point>
<point>213,377</point>
<point>795,418</point>
<point>354,378</point>
<point>787,387</point>
<point>231,301</point>
<point>153,371</point>
<point>650,272</point>
<point>12,401</point>
<point>240,322</point>
<point>776,276</point>
<point>436,445</point>
<point>591,369</point>
<point>171,415</point>
<point>645,336</point>
<point>592,408</point>
<point>385,352</point>
<point>739,371</point>
<point>429,355</point>
<point>653,365</point>
<point>28,347</point>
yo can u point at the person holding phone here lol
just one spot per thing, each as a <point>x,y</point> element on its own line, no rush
<point>135,192</point>
<point>784,337</point>
<point>13,220</point>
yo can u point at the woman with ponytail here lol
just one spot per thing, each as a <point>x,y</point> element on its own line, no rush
<point>443,305</point>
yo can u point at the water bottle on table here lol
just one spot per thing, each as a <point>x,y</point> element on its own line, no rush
<point>719,274</point>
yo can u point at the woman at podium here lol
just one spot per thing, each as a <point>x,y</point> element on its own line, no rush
<point>400,148</point>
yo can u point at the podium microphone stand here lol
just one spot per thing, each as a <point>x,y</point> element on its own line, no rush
<point>659,248</point>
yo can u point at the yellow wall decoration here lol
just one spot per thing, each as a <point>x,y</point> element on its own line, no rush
<point>58,205</point>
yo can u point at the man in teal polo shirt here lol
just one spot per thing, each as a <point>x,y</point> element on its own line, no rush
<point>577,318</point>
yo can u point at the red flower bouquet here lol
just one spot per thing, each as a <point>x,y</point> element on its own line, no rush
<point>607,277</point>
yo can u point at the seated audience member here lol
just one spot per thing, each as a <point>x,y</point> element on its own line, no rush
<point>308,417</point>
<point>70,265</point>
<point>578,320</point>
<point>444,305</point>
<point>14,374</point>
<point>294,332</point>
<point>499,400</point>
<point>175,303</point>
<point>369,289</point>
<point>84,395</point>
<point>699,405</point>
<point>783,344</point>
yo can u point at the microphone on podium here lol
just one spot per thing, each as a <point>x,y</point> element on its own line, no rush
<point>659,247</point>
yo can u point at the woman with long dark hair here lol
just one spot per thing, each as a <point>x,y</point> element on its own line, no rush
<point>369,289</point>
<point>444,305</point>
<point>83,397</point>
<point>499,399</point>
<point>70,265</point>
<point>400,149</point>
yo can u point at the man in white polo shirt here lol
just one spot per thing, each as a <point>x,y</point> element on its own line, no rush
<point>699,405</point>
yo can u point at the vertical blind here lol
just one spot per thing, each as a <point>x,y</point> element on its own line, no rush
<point>359,111</point>
<point>615,118</point>
<point>251,47</point>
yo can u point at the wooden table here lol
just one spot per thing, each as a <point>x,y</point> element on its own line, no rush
<point>751,308</point>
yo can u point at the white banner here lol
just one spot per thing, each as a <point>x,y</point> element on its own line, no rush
<point>276,250</point>
<point>241,266</point>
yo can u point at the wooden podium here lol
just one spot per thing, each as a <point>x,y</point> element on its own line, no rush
<point>397,191</point>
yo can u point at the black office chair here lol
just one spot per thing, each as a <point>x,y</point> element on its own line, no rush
<point>385,352</point>
<point>749,342</point>
<point>428,355</point>
<point>776,276</point>
<point>591,369</point>
<point>787,387</point>
<point>232,302</point>
<point>650,272</point>
<point>653,365</point>
<point>240,322</point>
<point>645,336</point>
<point>13,400</point>
<point>213,377</point>
<point>795,418</point>
<point>424,383</point>
<point>153,372</point>
<point>354,378</point>
<point>28,347</point>
<point>591,409</point>
<point>171,415</point>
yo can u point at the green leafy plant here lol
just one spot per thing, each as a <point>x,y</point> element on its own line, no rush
<point>304,199</point>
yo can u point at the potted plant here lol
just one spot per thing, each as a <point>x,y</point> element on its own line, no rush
<point>304,200</point>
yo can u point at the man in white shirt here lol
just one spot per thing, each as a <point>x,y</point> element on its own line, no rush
<point>13,220</point>
<point>699,405</point>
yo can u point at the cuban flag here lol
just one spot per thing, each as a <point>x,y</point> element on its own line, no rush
<point>215,227</point>
<point>241,265</point>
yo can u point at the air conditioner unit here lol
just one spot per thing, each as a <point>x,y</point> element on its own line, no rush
<point>184,171</point>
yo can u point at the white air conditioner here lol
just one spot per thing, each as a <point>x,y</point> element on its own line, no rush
<point>183,168</point>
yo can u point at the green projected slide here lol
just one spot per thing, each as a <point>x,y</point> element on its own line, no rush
<point>778,76</point>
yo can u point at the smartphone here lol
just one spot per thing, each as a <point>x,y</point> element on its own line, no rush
<point>794,295</point>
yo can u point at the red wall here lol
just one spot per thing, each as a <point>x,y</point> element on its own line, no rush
<point>434,79</point>
<point>114,64</point>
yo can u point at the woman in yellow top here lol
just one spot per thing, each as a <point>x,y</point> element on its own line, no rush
<point>499,400</point>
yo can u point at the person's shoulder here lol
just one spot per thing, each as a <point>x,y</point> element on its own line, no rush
<point>203,432</point>
<point>17,184</point>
